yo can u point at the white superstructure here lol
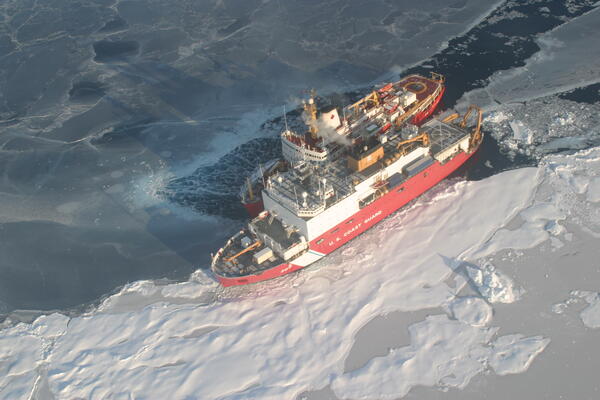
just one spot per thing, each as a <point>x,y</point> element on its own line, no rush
<point>314,197</point>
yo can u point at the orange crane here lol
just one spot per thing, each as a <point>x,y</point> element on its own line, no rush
<point>247,249</point>
<point>373,97</point>
<point>476,134</point>
<point>404,146</point>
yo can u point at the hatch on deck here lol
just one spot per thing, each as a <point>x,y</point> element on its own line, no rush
<point>263,255</point>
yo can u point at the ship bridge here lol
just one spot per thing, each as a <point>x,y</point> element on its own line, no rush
<point>307,190</point>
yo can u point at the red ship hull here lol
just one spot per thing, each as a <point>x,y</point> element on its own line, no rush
<point>365,219</point>
<point>281,269</point>
<point>396,198</point>
<point>423,115</point>
<point>254,208</point>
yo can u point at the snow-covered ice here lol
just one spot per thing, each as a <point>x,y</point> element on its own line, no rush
<point>492,284</point>
<point>512,354</point>
<point>590,315</point>
<point>593,190</point>
<point>282,337</point>
<point>564,193</point>
<point>471,310</point>
<point>443,353</point>
<point>310,317</point>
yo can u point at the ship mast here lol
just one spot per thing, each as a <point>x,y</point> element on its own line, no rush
<point>311,110</point>
<point>250,191</point>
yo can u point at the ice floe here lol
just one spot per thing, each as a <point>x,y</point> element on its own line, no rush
<point>471,310</point>
<point>442,353</point>
<point>567,192</point>
<point>493,285</point>
<point>590,315</point>
<point>542,126</point>
<point>512,354</point>
<point>564,62</point>
<point>521,132</point>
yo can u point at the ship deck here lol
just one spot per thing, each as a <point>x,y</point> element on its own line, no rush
<point>420,86</point>
<point>442,135</point>
<point>244,264</point>
<point>274,228</point>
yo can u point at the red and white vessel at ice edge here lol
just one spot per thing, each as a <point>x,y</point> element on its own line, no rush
<point>410,100</point>
<point>320,204</point>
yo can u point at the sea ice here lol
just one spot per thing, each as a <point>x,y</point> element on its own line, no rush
<point>568,185</point>
<point>593,190</point>
<point>573,179</point>
<point>512,354</point>
<point>563,63</point>
<point>443,353</point>
<point>542,126</point>
<point>590,315</point>
<point>281,337</point>
<point>521,132</point>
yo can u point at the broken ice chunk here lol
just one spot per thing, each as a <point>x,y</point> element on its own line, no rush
<point>520,132</point>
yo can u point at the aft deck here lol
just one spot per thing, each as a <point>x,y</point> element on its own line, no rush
<point>443,135</point>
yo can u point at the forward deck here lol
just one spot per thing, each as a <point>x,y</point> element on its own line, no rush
<point>421,86</point>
